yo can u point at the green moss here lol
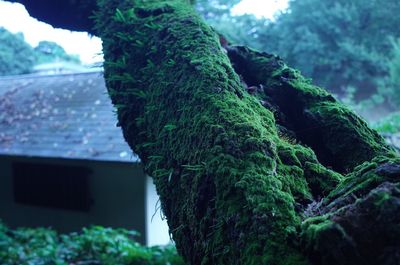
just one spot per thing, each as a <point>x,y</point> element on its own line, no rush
<point>366,177</point>
<point>340,139</point>
<point>313,228</point>
<point>320,179</point>
<point>365,209</point>
<point>382,198</point>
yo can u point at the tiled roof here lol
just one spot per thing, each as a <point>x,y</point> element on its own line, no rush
<point>67,116</point>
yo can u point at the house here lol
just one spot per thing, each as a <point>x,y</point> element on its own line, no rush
<point>65,164</point>
<point>59,68</point>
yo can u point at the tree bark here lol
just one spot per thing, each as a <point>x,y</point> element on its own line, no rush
<point>76,15</point>
<point>253,164</point>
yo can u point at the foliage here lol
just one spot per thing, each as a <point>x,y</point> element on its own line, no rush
<point>16,56</point>
<point>243,29</point>
<point>388,89</point>
<point>366,106</point>
<point>95,245</point>
<point>394,67</point>
<point>391,85</point>
<point>338,43</point>
<point>389,124</point>
<point>48,51</point>
<point>215,9</point>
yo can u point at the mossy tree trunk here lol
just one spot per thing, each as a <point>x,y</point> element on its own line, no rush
<point>253,164</point>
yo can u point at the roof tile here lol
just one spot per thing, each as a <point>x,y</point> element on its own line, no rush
<point>67,116</point>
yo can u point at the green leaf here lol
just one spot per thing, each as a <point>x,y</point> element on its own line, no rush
<point>170,127</point>
<point>119,16</point>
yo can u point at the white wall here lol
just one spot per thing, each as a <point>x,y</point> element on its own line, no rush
<point>156,226</point>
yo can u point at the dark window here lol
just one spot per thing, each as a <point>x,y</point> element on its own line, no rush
<point>48,185</point>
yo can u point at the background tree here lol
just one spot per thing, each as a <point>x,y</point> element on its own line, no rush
<point>391,86</point>
<point>348,42</point>
<point>16,56</point>
<point>48,51</point>
<point>215,9</point>
<point>239,29</point>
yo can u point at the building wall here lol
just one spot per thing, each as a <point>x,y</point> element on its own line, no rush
<point>156,225</point>
<point>118,191</point>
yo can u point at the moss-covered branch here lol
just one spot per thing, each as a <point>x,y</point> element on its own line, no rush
<point>232,168</point>
<point>339,137</point>
<point>212,148</point>
<point>358,222</point>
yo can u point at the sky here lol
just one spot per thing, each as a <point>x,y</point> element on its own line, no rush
<point>260,8</point>
<point>15,18</point>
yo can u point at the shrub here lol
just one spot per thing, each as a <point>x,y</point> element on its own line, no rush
<point>389,124</point>
<point>92,246</point>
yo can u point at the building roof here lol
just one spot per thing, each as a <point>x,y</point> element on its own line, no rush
<point>59,67</point>
<point>63,116</point>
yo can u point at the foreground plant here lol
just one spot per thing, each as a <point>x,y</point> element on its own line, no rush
<point>94,245</point>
